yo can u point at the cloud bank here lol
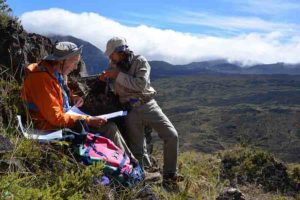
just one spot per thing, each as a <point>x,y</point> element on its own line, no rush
<point>167,45</point>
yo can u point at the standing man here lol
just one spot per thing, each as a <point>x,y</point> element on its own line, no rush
<point>48,98</point>
<point>131,77</point>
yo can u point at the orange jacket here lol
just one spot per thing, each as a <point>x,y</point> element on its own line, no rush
<point>44,94</point>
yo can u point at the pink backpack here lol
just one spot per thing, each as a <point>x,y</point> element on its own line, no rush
<point>117,164</point>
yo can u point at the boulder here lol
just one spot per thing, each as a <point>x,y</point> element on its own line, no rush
<point>18,49</point>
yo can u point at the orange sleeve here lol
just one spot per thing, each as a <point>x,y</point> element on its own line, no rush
<point>46,95</point>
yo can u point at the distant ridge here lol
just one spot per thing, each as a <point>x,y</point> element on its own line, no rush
<point>161,68</point>
<point>96,62</point>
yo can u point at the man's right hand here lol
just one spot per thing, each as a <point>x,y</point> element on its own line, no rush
<point>96,121</point>
<point>108,74</point>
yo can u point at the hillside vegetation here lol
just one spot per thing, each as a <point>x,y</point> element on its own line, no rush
<point>214,112</point>
<point>203,108</point>
<point>45,171</point>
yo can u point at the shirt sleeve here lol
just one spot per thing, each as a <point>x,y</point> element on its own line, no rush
<point>139,80</point>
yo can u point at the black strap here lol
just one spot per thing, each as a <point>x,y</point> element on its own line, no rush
<point>91,145</point>
<point>118,171</point>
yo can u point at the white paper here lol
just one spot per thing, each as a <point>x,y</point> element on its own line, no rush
<point>75,111</point>
<point>38,134</point>
<point>114,114</point>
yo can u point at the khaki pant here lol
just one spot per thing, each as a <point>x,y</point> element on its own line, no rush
<point>151,114</point>
<point>111,131</point>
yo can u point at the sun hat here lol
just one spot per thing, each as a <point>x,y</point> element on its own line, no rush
<point>64,50</point>
<point>116,44</point>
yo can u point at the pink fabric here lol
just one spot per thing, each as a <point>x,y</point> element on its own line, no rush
<point>114,155</point>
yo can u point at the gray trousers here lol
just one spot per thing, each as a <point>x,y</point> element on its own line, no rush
<point>111,131</point>
<point>151,114</point>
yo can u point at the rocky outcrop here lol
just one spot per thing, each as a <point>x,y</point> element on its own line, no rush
<point>243,166</point>
<point>19,48</point>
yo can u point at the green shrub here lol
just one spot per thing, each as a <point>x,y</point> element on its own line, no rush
<point>10,102</point>
<point>51,172</point>
<point>201,173</point>
<point>250,165</point>
<point>5,13</point>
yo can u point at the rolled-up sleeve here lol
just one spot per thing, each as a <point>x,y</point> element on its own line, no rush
<point>139,81</point>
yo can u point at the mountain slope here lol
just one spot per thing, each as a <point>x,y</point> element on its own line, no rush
<point>94,58</point>
<point>213,112</point>
<point>164,69</point>
<point>276,68</point>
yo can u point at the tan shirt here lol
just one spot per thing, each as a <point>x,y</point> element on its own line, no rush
<point>134,84</point>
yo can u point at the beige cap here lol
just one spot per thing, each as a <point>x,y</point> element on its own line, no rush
<point>64,50</point>
<point>116,44</point>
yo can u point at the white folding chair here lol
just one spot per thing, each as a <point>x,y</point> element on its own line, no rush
<point>38,134</point>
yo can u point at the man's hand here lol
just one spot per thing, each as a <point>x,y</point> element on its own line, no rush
<point>78,101</point>
<point>108,74</point>
<point>96,121</point>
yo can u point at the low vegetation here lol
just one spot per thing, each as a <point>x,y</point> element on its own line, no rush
<point>214,112</point>
<point>221,121</point>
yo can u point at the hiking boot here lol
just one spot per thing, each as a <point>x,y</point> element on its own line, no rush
<point>170,186</point>
<point>170,182</point>
<point>173,177</point>
<point>152,176</point>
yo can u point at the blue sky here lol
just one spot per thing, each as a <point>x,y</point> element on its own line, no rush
<point>269,29</point>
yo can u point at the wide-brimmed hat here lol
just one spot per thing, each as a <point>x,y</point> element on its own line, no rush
<point>116,44</point>
<point>64,50</point>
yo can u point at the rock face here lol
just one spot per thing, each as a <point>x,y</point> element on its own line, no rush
<point>18,49</point>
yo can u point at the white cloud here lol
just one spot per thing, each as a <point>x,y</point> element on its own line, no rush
<point>168,45</point>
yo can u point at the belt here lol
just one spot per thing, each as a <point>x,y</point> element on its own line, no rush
<point>134,102</point>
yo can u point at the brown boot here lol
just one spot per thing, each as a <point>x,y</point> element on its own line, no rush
<point>170,182</point>
<point>152,176</point>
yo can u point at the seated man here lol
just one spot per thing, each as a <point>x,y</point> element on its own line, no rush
<point>48,98</point>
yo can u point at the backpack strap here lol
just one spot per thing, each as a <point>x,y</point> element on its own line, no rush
<point>87,151</point>
<point>118,171</point>
<point>97,152</point>
<point>86,158</point>
<point>91,145</point>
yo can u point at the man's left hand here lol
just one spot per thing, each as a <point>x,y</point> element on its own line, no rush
<point>108,74</point>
